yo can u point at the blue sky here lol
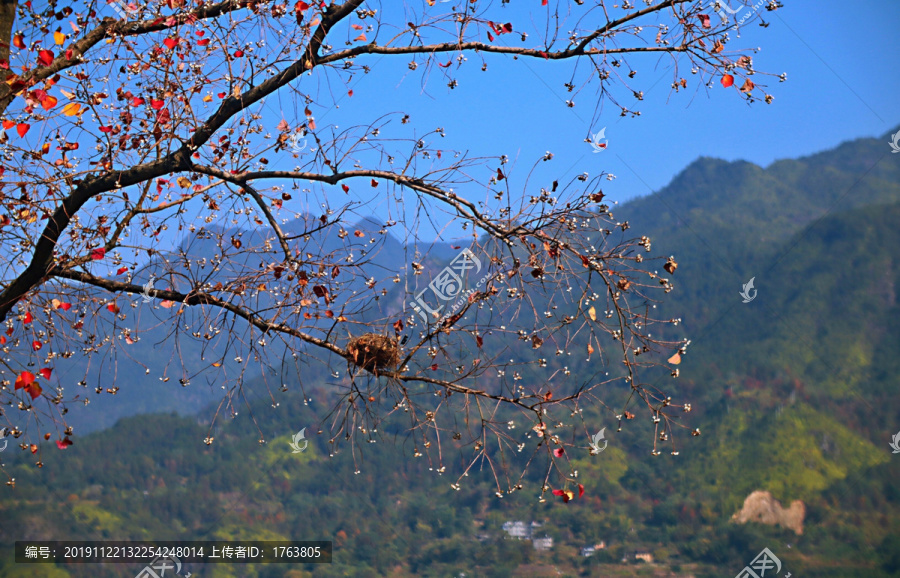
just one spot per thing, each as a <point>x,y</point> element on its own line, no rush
<point>841,59</point>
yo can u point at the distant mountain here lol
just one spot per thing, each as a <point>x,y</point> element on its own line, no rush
<point>795,393</point>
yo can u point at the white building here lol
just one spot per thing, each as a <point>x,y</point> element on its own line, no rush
<point>544,543</point>
<point>520,530</point>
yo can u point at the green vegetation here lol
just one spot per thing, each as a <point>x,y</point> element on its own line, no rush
<point>795,393</point>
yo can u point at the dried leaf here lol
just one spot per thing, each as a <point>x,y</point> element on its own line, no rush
<point>72,109</point>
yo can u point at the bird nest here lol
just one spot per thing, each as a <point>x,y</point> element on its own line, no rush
<point>373,351</point>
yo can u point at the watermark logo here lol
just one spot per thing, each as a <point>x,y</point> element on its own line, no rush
<point>747,288</point>
<point>4,441</point>
<point>895,142</point>
<point>448,285</point>
<point>760,566</point>
<point>595,442</point>
<point>295,443</point>
<point>122,8</point>
<point>723,10</point>
<point>294,142</point>
<point>598,146</point>
<point>895,443</point>
<point>149,294</point>
<point>157,568</point>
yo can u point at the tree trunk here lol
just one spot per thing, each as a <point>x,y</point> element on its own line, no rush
<point>7,19</point>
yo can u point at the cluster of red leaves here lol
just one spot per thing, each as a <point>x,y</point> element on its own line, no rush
<point>568,494</point>
<point>499,29</point>
<point>28,381</point>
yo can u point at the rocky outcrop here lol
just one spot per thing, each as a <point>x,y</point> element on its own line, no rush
<point>761,507</point>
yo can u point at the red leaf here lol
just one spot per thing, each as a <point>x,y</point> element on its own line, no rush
<point>19,41</point>
<point>25,378</point>
<point>374,183</point>
<point>64,443</point>
<point>48,102</point>
<point>507,27</point>
<point>238,53</point>
<point>28,317</point>
<point>322,291</point>
<point>580,490</point>
<point>727,80</point>
<point>98,254</point>
<point>346,188</point>
<point>566,495</point>
<point>558,452</point>
<point>45,57</point>
<point>46,372</point>
<point>445,65</point>
<point>7,124</point>
<point>203,42</point>
<point>113,307</point>
<point>157,104</point>
<point>500,176</point>
<point>398,325</point>
<point>36,345</point>
<point>171,43</point>
<point>65,306</point>
<point>434,367</point>
<point>704,19</point>
<point>544,54</point>
<point>543,2</point>
<point>106,129</point>
<point>22,128</point>
<point>137,101</point>
<point>491,38</point>
<point>350,92</point>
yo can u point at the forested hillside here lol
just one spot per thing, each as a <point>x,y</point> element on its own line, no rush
<point>795,393</point>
